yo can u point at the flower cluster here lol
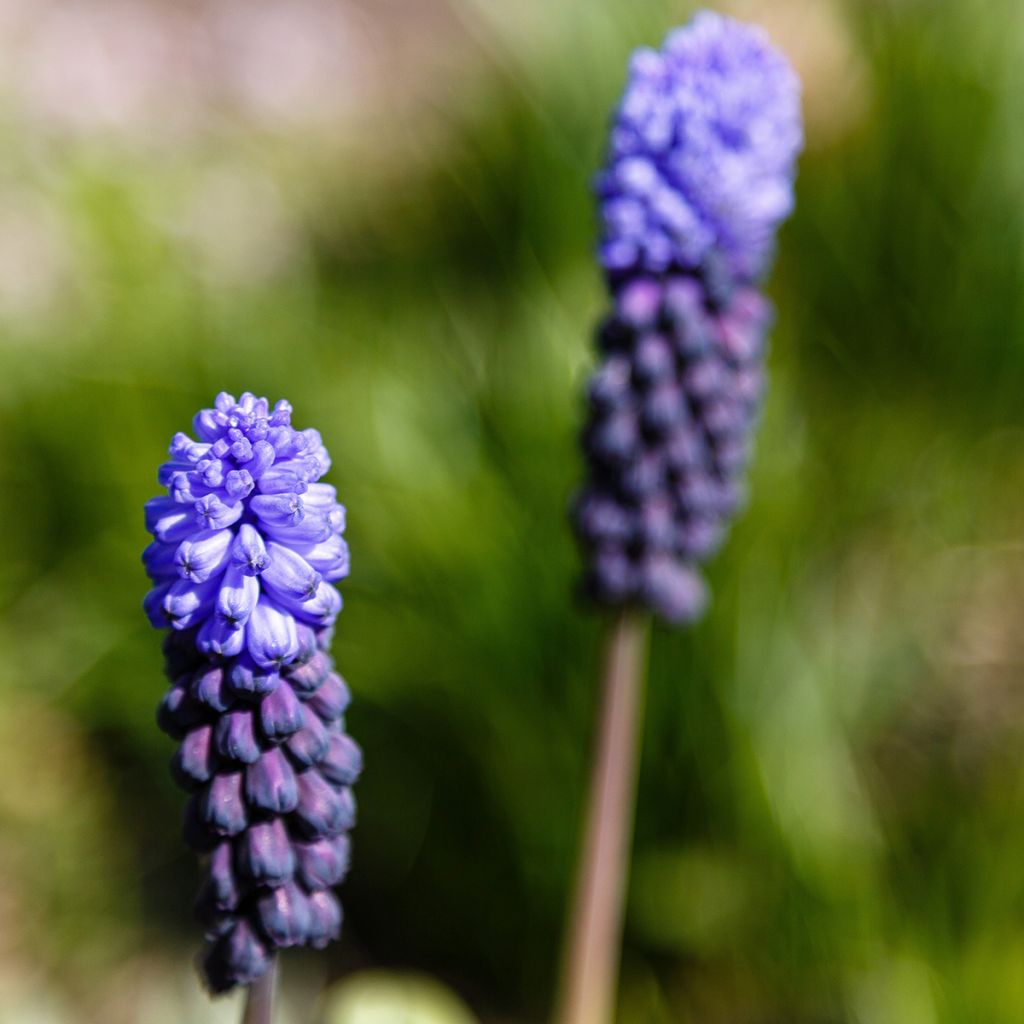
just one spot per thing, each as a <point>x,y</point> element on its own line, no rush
<point>247,544</point>
<point>699,176</point>
<point>702,152</point>
<point>667,440</point>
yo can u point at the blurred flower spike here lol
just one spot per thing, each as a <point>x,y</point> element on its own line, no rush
<point>698,178</point>
<point>247,544</point>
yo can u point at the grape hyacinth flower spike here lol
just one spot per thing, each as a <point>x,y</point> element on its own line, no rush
<point>247,544</point>
<point>699,176</point>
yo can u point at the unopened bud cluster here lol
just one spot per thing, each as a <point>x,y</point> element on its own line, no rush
<point>699,176</point>
<point>247,545</point>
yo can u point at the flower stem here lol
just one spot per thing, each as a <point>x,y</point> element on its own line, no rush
<point>591,965</point>
<point>259,1003</point>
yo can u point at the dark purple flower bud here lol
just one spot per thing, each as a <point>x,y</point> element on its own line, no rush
<point>331,698</point>
<point>321,811</point>
<point>248,678</point>
<point>686,449</point>
<point>220,639</point>
<point>615,439</point>
<point>284,915</point>
<point>612,575</point>
<point>698,538</point>
<point>235,736</point>
<point>657,525</point>
<point>195,760</point>
<point>344,760</point>
<point>323,863</point>
<point>664,408</point>
<point>195,831</point>
<point>611,384</point>
<point>281,713</point>
<point>221,805</point>
<point>209,687</point>
<point>639,303</point>
<point>308,676</point>
<point>643,477</point>
<point>237,958</point>
<point>704,378</point>
<point>311,639</point>
<point>324,918</point>
<point>655,361</point>
<point>675,591</point>
<point>602,518</point>
<point>270,783</point>
<point>178,711</point>
<point>311,743</point>
<point>220,877</point>
<point>264,853</point>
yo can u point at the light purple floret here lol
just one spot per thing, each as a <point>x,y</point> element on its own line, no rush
<point>702,155</point>
<point>247,541</point>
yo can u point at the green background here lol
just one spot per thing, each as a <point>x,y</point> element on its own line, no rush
<point>830,825</point>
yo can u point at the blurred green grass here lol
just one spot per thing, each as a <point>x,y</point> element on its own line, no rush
<point>830,820</point>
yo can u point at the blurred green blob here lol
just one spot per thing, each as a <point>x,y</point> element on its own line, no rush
<point>380,997</point>
<point>693,899</point>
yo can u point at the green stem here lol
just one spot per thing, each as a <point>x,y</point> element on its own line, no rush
<point>590,969</point>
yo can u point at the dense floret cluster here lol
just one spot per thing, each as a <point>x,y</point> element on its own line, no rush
<point>700,174</point>
<point>702,152</point>
<point>247,544</point>
<point>667,440</point>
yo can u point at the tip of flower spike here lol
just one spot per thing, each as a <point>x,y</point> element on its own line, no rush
<point>247,540</point>
<point>702,153</point>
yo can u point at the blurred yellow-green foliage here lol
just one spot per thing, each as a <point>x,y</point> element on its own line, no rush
<point>380,209</point>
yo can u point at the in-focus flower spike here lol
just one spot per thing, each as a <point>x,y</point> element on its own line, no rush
<point>246,546</point>
<point>699,176</point>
